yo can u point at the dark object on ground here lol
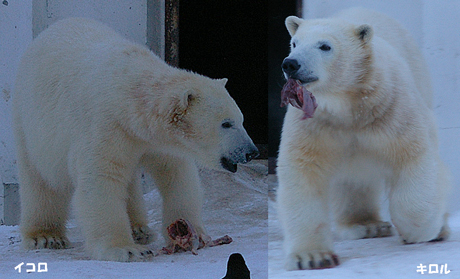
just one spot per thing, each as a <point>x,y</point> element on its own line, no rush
<point>236,268</point>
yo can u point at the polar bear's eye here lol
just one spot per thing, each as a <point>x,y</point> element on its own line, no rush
<point>227,124</point>
<point>293,45</point>
<point>325,47</point>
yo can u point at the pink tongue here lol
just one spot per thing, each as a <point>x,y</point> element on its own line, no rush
<point>295,94</point>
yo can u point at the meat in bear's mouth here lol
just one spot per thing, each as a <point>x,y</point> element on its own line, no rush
<point>295,94</point>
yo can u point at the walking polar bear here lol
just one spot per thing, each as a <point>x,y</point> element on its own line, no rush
<point>90,108</point>
<point>361,121</point>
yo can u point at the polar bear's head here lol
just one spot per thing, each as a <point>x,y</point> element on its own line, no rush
<point>327,55</point>
<point>195,115</point>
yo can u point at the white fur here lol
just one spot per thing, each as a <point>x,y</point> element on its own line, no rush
<point>90,108</point>
<point>374,129</point>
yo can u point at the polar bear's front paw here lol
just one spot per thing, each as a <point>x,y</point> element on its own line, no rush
<point>312,260</point>
<point>142,234</point>
<point>43,241</point>
<point>443,235</point>
<point>411,239</point>
<point>131,253</point>
<point>370,230</point>
<point>378,229</point>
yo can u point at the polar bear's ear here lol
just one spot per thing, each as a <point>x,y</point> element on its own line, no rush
<point>364,33</point>
<point>188,98</point>
<point>223,81</point>
<point>181,105</point>
<point>292,24</point>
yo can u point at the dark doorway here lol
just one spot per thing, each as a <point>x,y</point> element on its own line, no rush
<point>228,39</point>
<point>278,49</point>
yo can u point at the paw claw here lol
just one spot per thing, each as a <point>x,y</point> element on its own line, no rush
<point>129,253</point>
<point>369,230</point>
<point>142,235</point>
<point>45,241</point>
<point>312,260</point>
<point>335,259</point>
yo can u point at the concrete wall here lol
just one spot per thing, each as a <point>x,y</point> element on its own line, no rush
<point>15,35</point>
<point>434,24</point>
<point>129,17</point>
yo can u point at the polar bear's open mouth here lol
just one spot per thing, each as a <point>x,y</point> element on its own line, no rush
<point>228,165</point>
<point>295,94</point>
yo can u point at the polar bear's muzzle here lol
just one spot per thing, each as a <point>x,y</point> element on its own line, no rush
<point>239,155</point>
<point>294,70</point>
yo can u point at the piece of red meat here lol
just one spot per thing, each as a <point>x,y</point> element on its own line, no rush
<point>295,94</point>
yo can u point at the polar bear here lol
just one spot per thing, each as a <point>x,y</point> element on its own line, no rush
<point>361,122</point>
<point>90,109</point>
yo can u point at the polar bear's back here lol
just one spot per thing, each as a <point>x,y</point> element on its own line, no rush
<point>78,33</point>
<point>59,63</point>
<point>398,37</point>
<point>75,50</point>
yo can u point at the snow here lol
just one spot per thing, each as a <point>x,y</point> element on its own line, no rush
<point>236,204</point>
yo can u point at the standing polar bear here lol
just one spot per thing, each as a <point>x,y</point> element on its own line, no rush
<point>373,129</point>
<point>90,108</point>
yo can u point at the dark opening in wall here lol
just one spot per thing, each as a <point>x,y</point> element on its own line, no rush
<point>278,49</point>
<point>228,39</point>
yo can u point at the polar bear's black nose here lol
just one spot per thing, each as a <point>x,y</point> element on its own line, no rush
<point>251,155</point>
<point>290,66</point>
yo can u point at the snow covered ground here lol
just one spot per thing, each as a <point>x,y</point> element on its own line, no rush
<point>372,258</point>
<point>236,204</point>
